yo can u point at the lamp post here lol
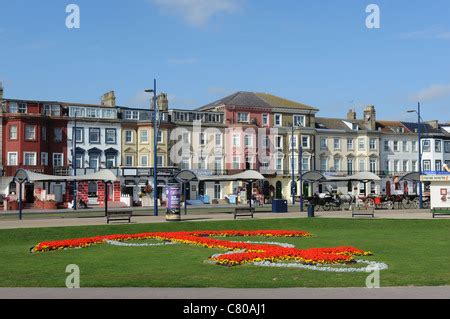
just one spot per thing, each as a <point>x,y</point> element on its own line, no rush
<point>301,176</point>
<point>419,132</point>
<point>155,149</point>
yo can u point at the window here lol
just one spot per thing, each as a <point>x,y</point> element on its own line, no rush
<point>44,133</point>
<point>57,131</point>
<point>279,163</point>
<point>350,166</point>
<point>299,121</point>
<point>201,163</point>
<point>278,120</point>
<point>185,163</point>
<point>79,135</point>
<point>77,112</point>
<point>12,159</point>
<point>387,165</point>
<point>362,144</point>
<point>58,160</point>
<point>405,166</point>
<point>295,163</point>
<point>110,161</point>
<point>414,146</point>
<point>201,138</point>
<point>305,142</point>
<point>350,144</point>
<point>266,142</point>
<point>160,137</point>
<point>324,164</point>
<point>30,159</point>
<point>160,160</point>
<point>30,132</point>
<point>22,108</point>
<point>387,148</point>
<point>248,140</point>
<point>217,191</point>
<point>144,136</point>
<point>12,107</point>
<point>132,115</point>
<point>94,161</point>
<point>438,165</point>
<point>362,165</point>
<point>305,164</point>
<point>396,166</point>
<point>236,141</point>
<point>144,160</point>
<point>243,117</point>
<point>293,142</point>
<point>108,113</point>
<point>128,136</point>
<point>373,144</point>
<point>218,164</point>
<point>218,139</point>
<point>405,146</point>
<point>415,167</point>
<point>447,146</point>
<point>323,143</point>
<point>337,143</point>
<point>186,138</point>
<point>337,164</point>
<point>279,142</point>
<point>426,146</point>
<point>265,119</point>
<point>236,162</point>
<point>93,113</point>
<point>79,160</point>
<point>13,132</point>
<point>110,136</point>
<point>427,165</point>
<point>396,146</point>
<point>129,159</point>
<point>438,146</point>
<point>94,135</point>
<point>44,159</point>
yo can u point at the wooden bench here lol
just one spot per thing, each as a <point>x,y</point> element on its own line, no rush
<point>119,215</point>
<point>440,211</point>
<point>363,213</point>
<point>244,212</point>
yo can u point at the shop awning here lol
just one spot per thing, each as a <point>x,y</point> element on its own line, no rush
<point>249,175</point>
<point>314,177</point>
<point>103,175</point>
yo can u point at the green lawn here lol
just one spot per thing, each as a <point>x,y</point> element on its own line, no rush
<point>417,252</point>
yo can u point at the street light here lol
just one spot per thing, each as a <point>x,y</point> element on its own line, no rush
<point>74,162</point>
<point>293,186</point>
<point>155,149</point>
<point>420,152</point>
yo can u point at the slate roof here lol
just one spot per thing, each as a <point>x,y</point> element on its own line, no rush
<point>252,99</point>
<point>337,124</point>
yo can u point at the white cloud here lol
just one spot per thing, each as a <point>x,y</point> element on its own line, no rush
<point>433,33</point>
<point>182,61</point>
<point>198,12</point>
<point>431,93</point>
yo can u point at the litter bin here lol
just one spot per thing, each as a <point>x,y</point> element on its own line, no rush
<point>311,211</point>
<point>279,206</point>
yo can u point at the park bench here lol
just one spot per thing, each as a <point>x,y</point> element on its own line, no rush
<point>440,211</point>
<point>119,215</point>
<point>363,212</point>
<point>244,212</point>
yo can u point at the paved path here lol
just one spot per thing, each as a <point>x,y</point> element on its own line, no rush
<point>220,293</point>
<point>59,221</point>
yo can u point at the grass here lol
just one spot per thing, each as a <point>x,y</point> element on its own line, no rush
<point>417,253</point>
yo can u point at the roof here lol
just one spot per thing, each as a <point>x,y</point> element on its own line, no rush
<point>103,175</point>
<point>337,124</point>
<point>252,99</point>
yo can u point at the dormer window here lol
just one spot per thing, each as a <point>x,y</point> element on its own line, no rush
<point>15,107</point>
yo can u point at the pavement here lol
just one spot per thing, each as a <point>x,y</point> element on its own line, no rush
<point>230,294</point>
<point>60,220</point>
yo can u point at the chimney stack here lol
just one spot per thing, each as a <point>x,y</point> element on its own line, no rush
<point>1,92</point>
<point>434,124</point>
<point>163,102</point>
<point>351,115</point>
<point>370,118</point>
<point>109,99</point>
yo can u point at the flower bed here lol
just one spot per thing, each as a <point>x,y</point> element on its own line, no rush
<point>240,252</point>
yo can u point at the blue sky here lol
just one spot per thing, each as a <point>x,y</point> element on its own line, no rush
<point>318,52</point>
